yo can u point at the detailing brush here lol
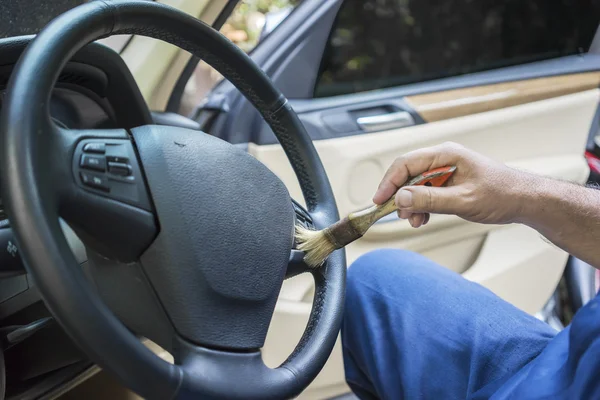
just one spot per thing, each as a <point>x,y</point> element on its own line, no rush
<point>318,245</point>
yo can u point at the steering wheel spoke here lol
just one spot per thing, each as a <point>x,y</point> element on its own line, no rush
<point>126,290</point>
<point>296,264</point>
<point>211,373</point>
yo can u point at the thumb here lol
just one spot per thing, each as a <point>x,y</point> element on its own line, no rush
<point>426,199</point>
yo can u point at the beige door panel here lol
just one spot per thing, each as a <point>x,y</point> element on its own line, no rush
<point>544,137</point>
<point>355,164</point>
<point>520,266</point>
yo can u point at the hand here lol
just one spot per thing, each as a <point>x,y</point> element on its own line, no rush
<point>481,190</point>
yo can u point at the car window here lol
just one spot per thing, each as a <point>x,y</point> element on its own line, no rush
<point>249,23</point>
<point>382,43</point>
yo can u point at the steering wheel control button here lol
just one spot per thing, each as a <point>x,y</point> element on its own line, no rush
<point>120,169</point>
<point>10,259</point>
<point>117,159</point>
<point>115,174</point>
<point>97,163</point>
<point>95,147</point>
<point>302,216</point>
<point>94,181</point>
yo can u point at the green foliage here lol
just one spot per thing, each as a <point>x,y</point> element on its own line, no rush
<point>264,6</point>
<point>248,17</point>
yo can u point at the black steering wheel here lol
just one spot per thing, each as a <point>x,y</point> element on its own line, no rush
<point>188,237</point>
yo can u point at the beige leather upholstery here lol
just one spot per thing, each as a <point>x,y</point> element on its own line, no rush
<point>545,137</point>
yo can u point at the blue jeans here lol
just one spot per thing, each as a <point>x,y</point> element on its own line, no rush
<point>415,330</point>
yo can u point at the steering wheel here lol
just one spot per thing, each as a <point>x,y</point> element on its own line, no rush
<point>188,237</point>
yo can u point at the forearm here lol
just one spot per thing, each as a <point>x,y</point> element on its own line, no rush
<point>566,214</point>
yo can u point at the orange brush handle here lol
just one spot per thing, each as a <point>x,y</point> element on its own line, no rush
<point>362,220</point>
<point>435,177</point>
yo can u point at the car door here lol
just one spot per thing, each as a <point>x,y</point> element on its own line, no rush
<point>371,80</point>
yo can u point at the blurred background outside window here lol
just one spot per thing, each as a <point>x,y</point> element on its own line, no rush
<point>250,22</point>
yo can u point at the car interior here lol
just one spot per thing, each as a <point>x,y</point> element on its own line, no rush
<point>149,251</point>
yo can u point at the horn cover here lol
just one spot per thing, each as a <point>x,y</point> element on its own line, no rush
<point>226,231</point>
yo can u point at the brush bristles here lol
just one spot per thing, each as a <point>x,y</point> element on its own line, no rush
<point>315,245</point>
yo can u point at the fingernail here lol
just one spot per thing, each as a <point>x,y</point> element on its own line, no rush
<point>417,220</point>
<point>404,199</point>
<point>414,221</point>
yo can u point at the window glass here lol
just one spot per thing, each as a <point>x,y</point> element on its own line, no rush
<point>249,23</point>
<point>381,43</point>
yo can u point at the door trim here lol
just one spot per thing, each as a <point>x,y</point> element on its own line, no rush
<point>455,103</point>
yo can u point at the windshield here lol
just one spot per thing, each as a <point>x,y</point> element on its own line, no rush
<point>19,17</point>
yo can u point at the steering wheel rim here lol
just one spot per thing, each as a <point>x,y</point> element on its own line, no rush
<point>34,204</point>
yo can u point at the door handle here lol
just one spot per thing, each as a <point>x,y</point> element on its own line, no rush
<point>394,120</point>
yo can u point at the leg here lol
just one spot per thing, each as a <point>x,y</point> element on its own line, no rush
<point>413,329</point>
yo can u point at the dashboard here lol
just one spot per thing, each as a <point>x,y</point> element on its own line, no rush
<point>94,90</point>
<point>72,109</point>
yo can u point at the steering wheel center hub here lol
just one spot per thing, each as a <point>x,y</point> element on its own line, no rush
<point>226,229</point>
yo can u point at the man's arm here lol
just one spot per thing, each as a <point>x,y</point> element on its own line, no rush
<point>485,191</point>
<point>565,213</point>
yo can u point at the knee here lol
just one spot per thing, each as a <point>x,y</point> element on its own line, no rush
<point>381,268</point>
<point>379,284</point>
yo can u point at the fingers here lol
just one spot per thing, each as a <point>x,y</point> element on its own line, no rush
<point>413,164</point>
<point>416,220</point>
<point>404,214</point>
<point>423,199</point>
<point>385,190</point>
